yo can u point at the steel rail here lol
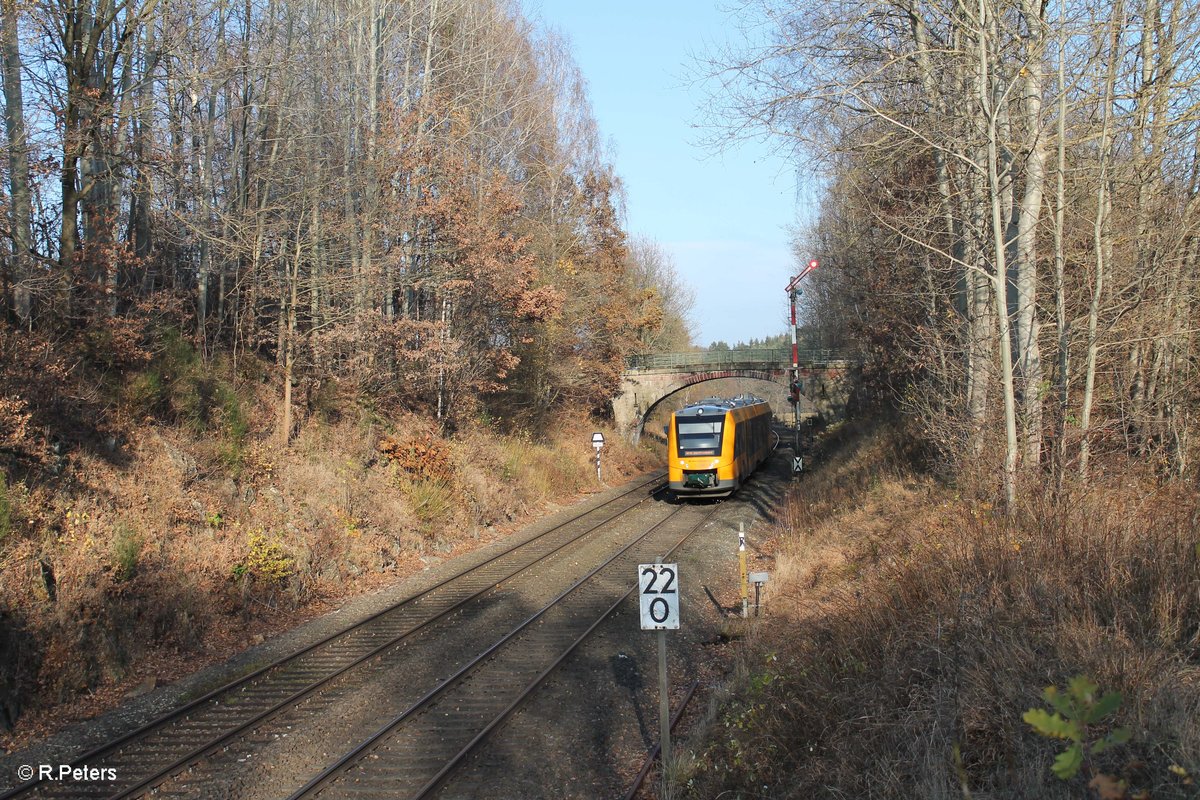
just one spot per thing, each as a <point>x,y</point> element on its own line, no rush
<point>336,769</point>
<point>181,712</point>
<point>217,743</point>
<point>450,766</point>
<point>652,756</point>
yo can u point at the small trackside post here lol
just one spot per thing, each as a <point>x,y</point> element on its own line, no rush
<point>745,580</point>
<point>658,587</point>
<point>598,443</point>
<point>759,579</point>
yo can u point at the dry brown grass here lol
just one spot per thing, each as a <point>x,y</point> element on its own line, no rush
<point>183,549</point>
<point>910,622</point>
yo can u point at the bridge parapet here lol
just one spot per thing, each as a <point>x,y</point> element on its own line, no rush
<point>728,359</point>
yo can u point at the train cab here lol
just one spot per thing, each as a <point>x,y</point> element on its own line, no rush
<point>714,445</point>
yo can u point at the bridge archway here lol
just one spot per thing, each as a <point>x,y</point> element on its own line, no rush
<point>774,390</point>
<point>645,385</point>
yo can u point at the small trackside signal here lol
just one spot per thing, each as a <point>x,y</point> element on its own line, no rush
<point>814,264</point>
<point>598,443</point>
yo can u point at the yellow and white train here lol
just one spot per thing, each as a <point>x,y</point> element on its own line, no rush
<point>713,446</point>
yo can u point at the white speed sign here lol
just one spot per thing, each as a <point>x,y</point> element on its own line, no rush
<point>658,592</point>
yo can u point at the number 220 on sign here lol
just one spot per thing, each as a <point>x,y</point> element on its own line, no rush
<point>658,586</point>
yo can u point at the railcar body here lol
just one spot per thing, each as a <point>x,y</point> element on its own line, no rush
<point>713,446</point>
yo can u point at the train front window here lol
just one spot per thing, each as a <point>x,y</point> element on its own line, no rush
<point>699,433</point>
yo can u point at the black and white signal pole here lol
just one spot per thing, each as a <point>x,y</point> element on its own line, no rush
<point>598,443</point>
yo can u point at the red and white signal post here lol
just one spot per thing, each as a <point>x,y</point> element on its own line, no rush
<point>794,291</point>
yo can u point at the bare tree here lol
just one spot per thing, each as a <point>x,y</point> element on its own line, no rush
<point>936,119</point>
<point>20,230</point>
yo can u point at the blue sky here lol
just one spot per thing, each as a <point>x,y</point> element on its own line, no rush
<point>722,216</point>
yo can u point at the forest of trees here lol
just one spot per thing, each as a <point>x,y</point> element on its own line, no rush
<point>409,198</point>
<point>1009,229</point>
<point>808,337</point>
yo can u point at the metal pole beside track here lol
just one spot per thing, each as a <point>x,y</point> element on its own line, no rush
<point>793,290</point>
<point>743,574</point>
<point>664,712</point>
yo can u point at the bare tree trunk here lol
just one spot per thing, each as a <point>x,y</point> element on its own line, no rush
<point>18,164</point>
<point>980,328</point>
<point>374,44</point>
<point>999,272</point>
<point>201,169</point>
<point>140,197</point>
<point>981,323</point>
<point>175,174</point>
<point>271,131</point>
<point>1100,239</point>
<point>204,118</point>
<point>89,69</point>
<point>121,135</point>
<point>1027,326</point>
<point>1060,264</point>
<point>950,222</point>
<point>1136,388</point>
<point>317,272</point>
<point>291,300</point>
<point>100,169</point>
<point>443,338</point>
<point>351,159</point>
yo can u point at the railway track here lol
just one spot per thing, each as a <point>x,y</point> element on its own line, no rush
<point>150,755</point>
<point>412,754</point>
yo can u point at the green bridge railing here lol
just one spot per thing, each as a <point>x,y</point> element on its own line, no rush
<point>722,358</point>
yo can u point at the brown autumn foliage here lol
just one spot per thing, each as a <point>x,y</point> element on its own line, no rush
<point>226,306</point>
<point>1009,241</point>
<point>14,425</point>
<point>444,231</point>
<point>425,457</point>
<point>197,530</point>
<point>911,625</point>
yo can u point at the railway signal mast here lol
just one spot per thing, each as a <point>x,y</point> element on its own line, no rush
<point>794,291</point>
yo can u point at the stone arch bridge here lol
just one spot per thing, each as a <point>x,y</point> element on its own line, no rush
<point>650,379</point>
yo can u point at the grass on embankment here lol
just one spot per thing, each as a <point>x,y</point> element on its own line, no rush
<point>193,532</point>
<point>913,625</point>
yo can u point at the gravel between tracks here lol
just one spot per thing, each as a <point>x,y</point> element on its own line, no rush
<point>586,734</point>
<point>81,737</point>
<point>583,735</point>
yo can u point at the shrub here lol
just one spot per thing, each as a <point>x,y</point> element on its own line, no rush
<point>174,383</point>
<point>14,424</point>
<point>423,471</point>
<point>236,427</point>
<point>180,385</point>
<point>116,342</point>
<point>145,394</point>
<point>127,548</point>
<point>1077,711</point>
<point>424,458</point>
<point>430,500</point>
<point>266,561</point>
<point>177,355</point>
